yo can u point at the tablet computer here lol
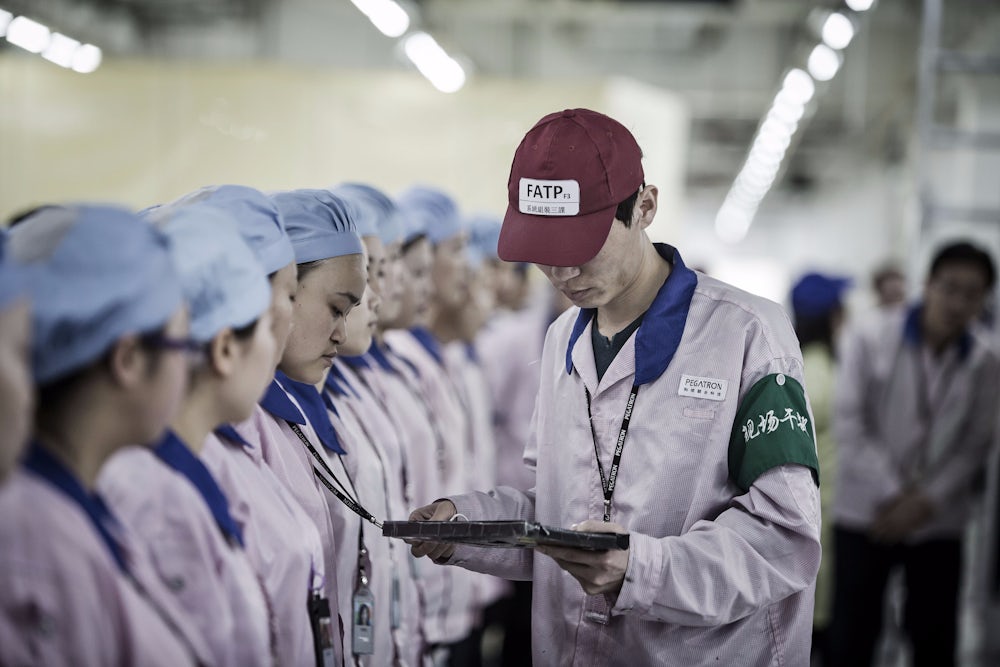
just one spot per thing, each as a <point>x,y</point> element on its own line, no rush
<point>503,534</point>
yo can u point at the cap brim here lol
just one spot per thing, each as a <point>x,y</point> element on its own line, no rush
<point>553,240</point>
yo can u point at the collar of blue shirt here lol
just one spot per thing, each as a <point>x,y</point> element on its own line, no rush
<point>659,336</point>
<point>314,408</point>
<point>913,332</point>
<point>176,454</point>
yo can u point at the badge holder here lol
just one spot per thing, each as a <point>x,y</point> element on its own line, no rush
<point>362,608</point>
<point>322,627</point>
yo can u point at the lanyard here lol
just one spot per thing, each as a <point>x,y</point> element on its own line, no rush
<point>341,494</point>
<point>608,483</point>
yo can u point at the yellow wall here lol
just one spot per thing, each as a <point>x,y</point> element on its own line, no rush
<point>145,132</point>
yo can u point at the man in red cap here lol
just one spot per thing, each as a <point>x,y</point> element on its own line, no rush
<point>671,407</point>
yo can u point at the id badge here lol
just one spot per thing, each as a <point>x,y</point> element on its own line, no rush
<point>395,611</point>
<point>363,625</point>
<point>322,627</point>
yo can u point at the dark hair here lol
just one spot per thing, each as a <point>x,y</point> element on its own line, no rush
<point>816,329</point>
<point>305,268</point>
<point>885,273</point>
<point>964,252</point>
<point>244,334</point>
<point>626,208</point>
<point>409,243</point>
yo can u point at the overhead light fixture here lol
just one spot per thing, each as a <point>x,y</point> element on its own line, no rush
<point>838,31</point>
<point>444,72</point>
<point>798,87</point>
<point>823,63</point>
<point>386,15</point>
<point>733,221</point>
<point>29,35</point>
<point>53,46</point>
<point>61,50</point>
<point>86,59</point>
<point>5,19</point>
<point>860,5</point>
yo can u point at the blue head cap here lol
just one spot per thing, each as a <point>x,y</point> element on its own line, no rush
<point>98,273</point>
<point>320,226</point>
<point>377,205</point>
<point>363,219</point>
<point>484,234</point>
<point>815,294</point>
<point>223,282</point>
<point>257,218</point>
<point>14,276</point>
<point>436,213</point>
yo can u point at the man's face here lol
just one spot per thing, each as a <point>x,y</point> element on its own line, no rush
<point>953,298</point>
<point>601,280</point>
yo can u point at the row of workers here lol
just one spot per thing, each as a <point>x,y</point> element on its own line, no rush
<point>234,390</point>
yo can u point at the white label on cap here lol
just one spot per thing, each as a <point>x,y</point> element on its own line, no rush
<point>537,197</point>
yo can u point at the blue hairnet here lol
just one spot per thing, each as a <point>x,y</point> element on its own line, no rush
<point>257,218</point>
<point>319,225</point>
<point>223,283</point>
<point>98,273</point>
<point>815,294</point>
<point>484,233</point>
<point>372,202</point>
<point>434,212</point>
<point>363,218</point>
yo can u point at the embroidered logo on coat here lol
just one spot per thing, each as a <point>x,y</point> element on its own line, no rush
<point>697,387</point>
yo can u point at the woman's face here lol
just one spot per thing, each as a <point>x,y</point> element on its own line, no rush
<point>325,296</point>
<point>392,285</point>
<point>16,390</point>
<point>416,292</point>
<point>363,320</point>
<point>284,283</point>
<point>450,273</point>
<point>254,369</point>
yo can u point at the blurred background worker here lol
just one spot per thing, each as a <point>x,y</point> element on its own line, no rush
<point>914,419</point>
<point>818,315</point>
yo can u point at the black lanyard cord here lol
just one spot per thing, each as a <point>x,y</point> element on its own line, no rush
<point>609,482</point>
<point>352,503</point>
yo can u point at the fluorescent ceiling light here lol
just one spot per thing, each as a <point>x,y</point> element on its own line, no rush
<point>733,222</point>
<point>86,59</point>
<point>386,15</point>
<point>837,31</point>
<point>787,113</point>
<point>61,50</point>
<point>443,71</point>
<point>798,87</point>
<point>29,35</point>
<point>5,19</point>
<point>860,5</point>
<point>823,63</point>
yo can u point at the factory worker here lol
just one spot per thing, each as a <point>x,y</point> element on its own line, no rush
<point>166,495</point>
<point>290,434</point>
<point>671,408</point>
<point>281,540</point>
<point>16,390</point>
<point>109,358</point>
<point>351,386</point>
<point>439,217</point>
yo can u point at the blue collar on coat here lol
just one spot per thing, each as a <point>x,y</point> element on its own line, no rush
<point>428,342</point>
<point>314,408</point>
<point>276,400</point>
<point>660,333</point>
<point>913,332</point>
<point>43,464</point>
<point>227,432</point>
<point>176,455</point>
<point>378,354</point>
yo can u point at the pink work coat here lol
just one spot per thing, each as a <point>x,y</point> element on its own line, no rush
<point>716,575</point>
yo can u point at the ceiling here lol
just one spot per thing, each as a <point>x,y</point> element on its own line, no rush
<point>726,58</point>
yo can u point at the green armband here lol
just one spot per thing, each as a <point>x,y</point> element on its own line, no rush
<point>772,428</point>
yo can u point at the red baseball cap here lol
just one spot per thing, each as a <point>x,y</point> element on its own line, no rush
<point>569,174</point>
